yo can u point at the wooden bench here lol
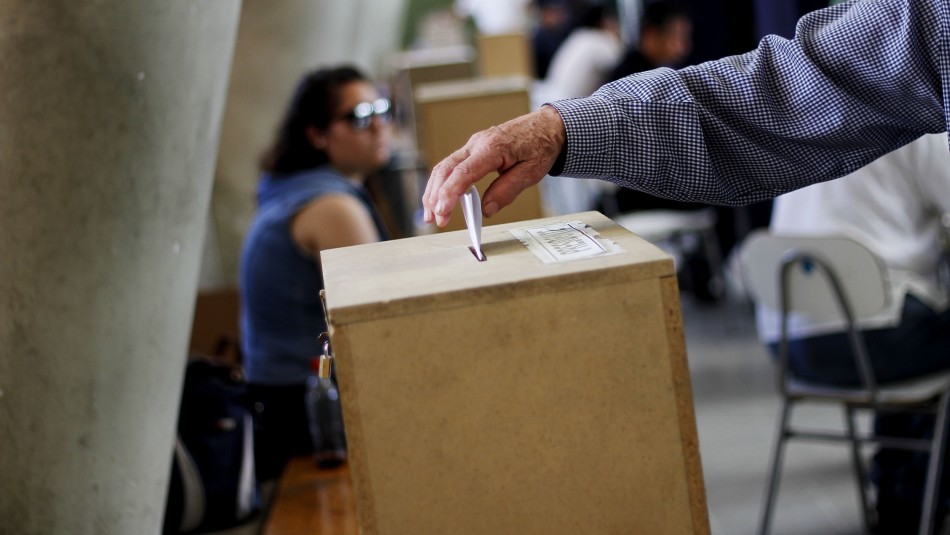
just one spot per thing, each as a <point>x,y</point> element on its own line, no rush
<point>312,501</point>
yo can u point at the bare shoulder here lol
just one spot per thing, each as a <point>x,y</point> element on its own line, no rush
<point>330,221</point>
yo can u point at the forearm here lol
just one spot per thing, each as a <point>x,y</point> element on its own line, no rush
<point>786,115</point>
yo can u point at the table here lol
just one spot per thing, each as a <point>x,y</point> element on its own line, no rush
<point>313,501</point>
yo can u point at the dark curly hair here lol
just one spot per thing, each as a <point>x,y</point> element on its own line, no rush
<point>314,101</point>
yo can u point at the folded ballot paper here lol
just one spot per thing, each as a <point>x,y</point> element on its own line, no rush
<point>472,210</point>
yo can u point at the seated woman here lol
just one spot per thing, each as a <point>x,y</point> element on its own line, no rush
<point>311,198</point>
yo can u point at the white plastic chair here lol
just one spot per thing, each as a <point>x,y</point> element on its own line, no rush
<point>835,277</point>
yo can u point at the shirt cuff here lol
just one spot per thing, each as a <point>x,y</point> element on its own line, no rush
<point>588,149</point>
<point>558,166</point>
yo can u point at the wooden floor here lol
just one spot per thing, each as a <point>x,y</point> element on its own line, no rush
<point>312,501</point>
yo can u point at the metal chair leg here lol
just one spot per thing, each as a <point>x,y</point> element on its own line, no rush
<point>860,472</point>
<point>775,471</point>
<point>935,469</point>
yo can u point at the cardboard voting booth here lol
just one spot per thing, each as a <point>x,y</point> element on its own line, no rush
<point>544,390</point>
<point>433,65</point>
<point>504,55</point>
<point>414,68</point>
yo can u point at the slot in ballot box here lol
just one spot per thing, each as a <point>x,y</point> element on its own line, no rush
<point>525,394</point>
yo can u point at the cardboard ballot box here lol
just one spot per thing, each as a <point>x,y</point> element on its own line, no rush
<point>526,394</point>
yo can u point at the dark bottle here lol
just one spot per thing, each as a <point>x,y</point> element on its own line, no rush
<point>325,415</point>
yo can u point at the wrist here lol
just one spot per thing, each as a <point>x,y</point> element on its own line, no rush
<point>557,133</point>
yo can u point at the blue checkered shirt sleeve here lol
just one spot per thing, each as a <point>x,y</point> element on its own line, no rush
<point>858,80</point>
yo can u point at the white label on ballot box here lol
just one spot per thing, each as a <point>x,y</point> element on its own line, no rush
<point>565,241</point>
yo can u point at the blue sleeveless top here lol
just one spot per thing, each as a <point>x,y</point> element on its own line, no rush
<point>281,314</point>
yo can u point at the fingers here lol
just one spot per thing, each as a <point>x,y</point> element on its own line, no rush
<point>508,186</point>
<point>520,150</point>
<point>454,175</point>
<point>438,177</point>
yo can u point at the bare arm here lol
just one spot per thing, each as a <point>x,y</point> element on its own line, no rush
<point>333,221</point>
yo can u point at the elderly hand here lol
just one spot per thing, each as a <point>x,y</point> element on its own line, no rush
<point>521,150</point>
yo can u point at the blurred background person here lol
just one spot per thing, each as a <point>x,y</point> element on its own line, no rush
<point>577,70</point>
<point>894,206</point>
<point>311,198</point>
<point>583,60</point>
<point>665,40</point>
<point>552,26</point>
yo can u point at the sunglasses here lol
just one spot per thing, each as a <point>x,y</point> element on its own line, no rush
<point>362,115</point>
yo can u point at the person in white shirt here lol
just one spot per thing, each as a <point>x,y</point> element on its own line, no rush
<point>894,206</point>
<point>586,57</point>
<point>577,69</point>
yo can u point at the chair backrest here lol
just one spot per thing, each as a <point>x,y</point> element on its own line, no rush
<point>860,272</point>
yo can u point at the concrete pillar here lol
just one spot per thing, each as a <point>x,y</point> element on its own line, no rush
<point>277,42</point>
<point>109,120</point>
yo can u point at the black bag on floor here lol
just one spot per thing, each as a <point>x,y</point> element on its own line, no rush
<point>212,483</point>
